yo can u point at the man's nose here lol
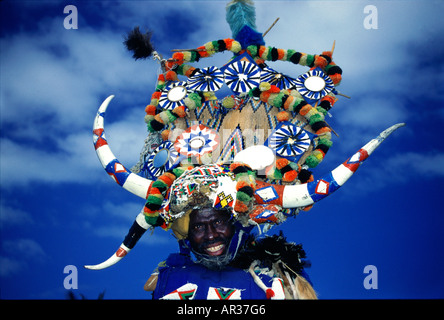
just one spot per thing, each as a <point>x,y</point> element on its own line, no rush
<point>210,232</point>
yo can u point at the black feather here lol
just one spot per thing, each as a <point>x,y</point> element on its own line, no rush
<point>139,43</point>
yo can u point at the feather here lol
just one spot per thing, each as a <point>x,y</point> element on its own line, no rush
<point>240,13</point>
<point>139,43</point>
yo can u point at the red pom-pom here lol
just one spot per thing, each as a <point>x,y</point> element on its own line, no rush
<point>240,207</point>
<point>274,89</point>
<point>150,110</point>
<point>171,76</point>
<point>269,293</point>
<point>178,57</point>
<point>241,184</point>
<point>290,176</point>
<point>156,95</point>
<point>281,162</point>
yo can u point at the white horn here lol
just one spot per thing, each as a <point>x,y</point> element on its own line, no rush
<point>135,232</point>
<point>295,196</point>
<point>124,177</point>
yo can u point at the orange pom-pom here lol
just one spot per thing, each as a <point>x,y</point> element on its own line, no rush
<point>336,78</point>
<point>305,109</point>
<point>202,51</point>
<point>228,43</point>
<point>323,130</point>
<point>158,119</point>
<point>281,162</point>
<point>189,71</point>
<point>156,95</point>
<point>283,116</point>
<point>330,99</point>
<point>265,95</point>
<point>327,53</point>
<point>274,89</point>
<point>178,57</point>
<point>150,110</point>
<point>168,178</point>
<point>165,134</point>
<point>180,111</point>
<point>161,77</point>
<point>154,191</point>
<point>281,54</point>
<point>320,62</point>
<point>240,207</point>
<point>241,184</point>
<point>171,76</point>
<point>235,165</point>
<point>290,176</point>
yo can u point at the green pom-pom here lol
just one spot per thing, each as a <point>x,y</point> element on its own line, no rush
<point>242,196</point>
<point>321,110</point>
<point>151,220</point>
<point>178,172</point>
<point>253,50</point>
<point>316,118</point>
<point>154,200</point>
<point>159,184</point>
<point>290,52</point>
<point>310,59</point>
<point>325,142</point>
<point>312,161</point>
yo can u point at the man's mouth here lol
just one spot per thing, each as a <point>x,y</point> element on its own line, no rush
<point>215,250</point>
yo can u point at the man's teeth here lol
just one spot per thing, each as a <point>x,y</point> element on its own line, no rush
<point>216,248</point>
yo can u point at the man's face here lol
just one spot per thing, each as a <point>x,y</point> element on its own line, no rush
<point>210,231</point>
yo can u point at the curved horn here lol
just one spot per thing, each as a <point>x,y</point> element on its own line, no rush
<point>135,232</point>
<point>124,177</point>
<point>295,196</point>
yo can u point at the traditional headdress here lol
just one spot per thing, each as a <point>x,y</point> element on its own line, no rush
<point>251,151</point>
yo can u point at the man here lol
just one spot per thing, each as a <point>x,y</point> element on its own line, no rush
<point>225,264</point>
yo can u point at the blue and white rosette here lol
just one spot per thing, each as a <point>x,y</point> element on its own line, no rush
<point>242,76</point>
<point>278,79</point>
<point>289,141</point>
<point>324,85</point>
<point>162,159</point>
<point>206,79</point>
<point>173,95</point>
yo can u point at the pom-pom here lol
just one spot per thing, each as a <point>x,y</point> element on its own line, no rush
<point>269,293</point>
<point>165,134</point>
<point>171,76</point>
<point>140,44</point>
<point>264,86</point>
<point>289,176</point>
<point>150,110</point>
<point>228,102</point>
<point>311,161</point>
<point>180,111</point>
<point>240,207</point>
<point>283,116</point>
<point>281,162</point>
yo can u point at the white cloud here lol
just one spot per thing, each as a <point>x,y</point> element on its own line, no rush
<point>17,254</point>
<point>14,217</point>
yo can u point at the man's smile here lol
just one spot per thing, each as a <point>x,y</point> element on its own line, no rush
<point>215,249</point>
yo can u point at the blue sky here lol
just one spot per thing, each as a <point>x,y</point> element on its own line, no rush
<point>58,207</point>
